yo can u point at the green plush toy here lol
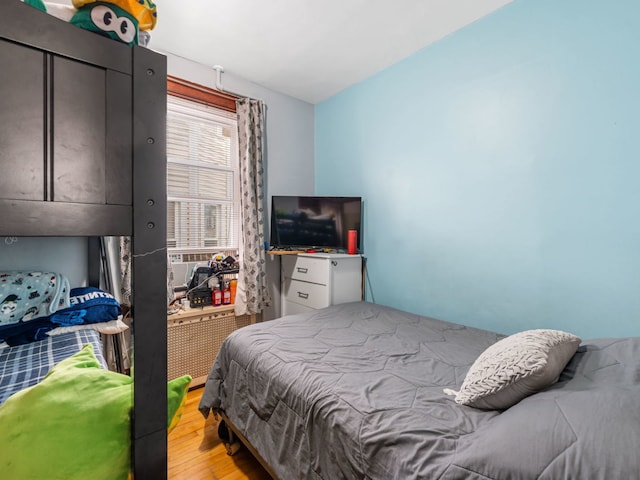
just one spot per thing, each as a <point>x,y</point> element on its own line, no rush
<point>74,424</point>
<point>39,4</point>
<point>109,20</point>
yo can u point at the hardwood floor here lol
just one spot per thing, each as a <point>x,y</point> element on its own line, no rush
<point>196,452</point>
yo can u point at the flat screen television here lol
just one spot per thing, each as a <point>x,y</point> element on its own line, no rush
<point>306,222</point>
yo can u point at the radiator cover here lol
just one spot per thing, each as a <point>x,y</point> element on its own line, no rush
<point>194,339</point>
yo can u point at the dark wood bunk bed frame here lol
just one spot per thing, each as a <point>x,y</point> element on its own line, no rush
<point>83,154</point>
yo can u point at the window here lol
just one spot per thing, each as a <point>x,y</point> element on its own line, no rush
<point>202,172</point>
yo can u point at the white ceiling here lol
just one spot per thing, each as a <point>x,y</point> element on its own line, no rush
<point>307,49</point>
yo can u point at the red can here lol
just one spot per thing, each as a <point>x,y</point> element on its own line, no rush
<point>352,242</point>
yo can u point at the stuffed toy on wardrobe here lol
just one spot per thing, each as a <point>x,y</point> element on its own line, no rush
<point>120,20</point>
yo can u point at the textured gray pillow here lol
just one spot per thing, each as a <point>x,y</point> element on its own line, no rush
<point>516,367</point>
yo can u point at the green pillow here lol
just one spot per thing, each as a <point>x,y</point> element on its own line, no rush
<point>74,424</point>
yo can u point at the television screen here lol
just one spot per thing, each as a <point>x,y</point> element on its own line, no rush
<point>312,222</point>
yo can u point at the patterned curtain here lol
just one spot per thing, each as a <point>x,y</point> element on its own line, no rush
<point>252,294</point>
<point>116,279</point>
<point>116,267</point>
<point>125,270</point>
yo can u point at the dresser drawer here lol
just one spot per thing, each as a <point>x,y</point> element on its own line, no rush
<point>310,295</point>
<point>307,269</point>
<point>291,308</point>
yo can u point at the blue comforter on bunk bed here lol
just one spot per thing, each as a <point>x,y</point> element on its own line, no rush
<point>27,311</point>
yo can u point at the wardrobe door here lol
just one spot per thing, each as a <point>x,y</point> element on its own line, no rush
<point>22,116</point>
<point>79,132</point>
<point>119,139</point>
<point>91,131</point>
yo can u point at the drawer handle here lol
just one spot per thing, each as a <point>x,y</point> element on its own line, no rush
<point>302,269</point>
<point>303,295</point>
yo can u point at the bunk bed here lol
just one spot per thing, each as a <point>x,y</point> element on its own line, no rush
<point>82,154</point>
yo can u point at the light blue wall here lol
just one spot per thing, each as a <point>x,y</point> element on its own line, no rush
<point>66,255</point>
<point>500,170</point>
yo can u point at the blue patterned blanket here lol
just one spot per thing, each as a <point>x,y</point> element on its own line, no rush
<point>28,295</point>
<point>86,305</point>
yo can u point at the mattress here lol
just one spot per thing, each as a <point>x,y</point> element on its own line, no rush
<point>25,365</point>
<point>356,391</point>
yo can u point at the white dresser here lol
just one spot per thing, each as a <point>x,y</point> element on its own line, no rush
<point>317,280</point>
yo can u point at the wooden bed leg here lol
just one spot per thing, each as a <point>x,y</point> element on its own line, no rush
<point>238,441</point>
<point>231,443</point>
<point>232,448</point>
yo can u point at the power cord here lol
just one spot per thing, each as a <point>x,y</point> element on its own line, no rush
<point>200,284</point>
<point>368,280</point>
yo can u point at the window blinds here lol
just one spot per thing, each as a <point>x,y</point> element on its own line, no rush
<point>202,177</point>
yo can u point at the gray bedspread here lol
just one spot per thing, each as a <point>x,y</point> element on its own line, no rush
<point>354,391</point>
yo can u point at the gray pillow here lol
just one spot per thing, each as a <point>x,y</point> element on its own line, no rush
<point>516,367</point>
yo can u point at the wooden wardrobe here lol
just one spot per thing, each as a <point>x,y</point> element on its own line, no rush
<point>83,154</point>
